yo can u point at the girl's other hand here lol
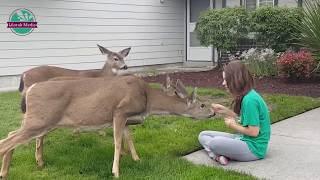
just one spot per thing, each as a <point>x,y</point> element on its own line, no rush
<point>229,120</point>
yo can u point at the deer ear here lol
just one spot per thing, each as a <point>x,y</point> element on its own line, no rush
<point>125,52</point>
<point>163,88</point>
<point>168,82</point>
<point>104,50</point>
<point>181,90</point>
<point>189,102</point>
<point>194,95</point>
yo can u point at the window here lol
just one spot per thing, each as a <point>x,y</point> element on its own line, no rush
<point>196,7</point>
<point>251,4</point>
<point>266,2</point>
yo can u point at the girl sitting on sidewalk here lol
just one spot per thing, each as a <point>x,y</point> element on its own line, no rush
<point>249,118</point>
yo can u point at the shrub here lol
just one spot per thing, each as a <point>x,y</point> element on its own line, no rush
<point>310,28</point>
<point>274,26</point>
<point>260,63</point>
<point>222,28</point>
<point>296,65</point>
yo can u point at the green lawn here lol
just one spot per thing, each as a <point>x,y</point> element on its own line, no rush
<point>160,142</point>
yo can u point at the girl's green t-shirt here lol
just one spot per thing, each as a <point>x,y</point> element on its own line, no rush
<point>254,112</point>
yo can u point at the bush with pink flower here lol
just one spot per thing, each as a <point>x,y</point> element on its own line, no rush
<point>296,65</point>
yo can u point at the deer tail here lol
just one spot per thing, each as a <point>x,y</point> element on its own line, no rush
<point>21,86</point>
<point>23,104</point>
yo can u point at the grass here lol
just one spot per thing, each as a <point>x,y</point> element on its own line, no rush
<point>160,142</point>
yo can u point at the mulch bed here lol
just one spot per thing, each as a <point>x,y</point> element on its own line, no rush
<point>213,78</point>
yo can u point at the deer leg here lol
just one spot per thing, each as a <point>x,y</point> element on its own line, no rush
<point>21,136</point>
<point>6,160</point>
<point>118,126</point>
<point>39,152</point>
<point>124,149</point>
<point>128,138</point>
<point>133,120</point>
<point>7,146</point>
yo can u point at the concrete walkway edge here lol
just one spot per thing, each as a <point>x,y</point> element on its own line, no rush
<point>294,151</point>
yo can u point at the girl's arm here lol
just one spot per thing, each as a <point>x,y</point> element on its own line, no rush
<point>248,130</point>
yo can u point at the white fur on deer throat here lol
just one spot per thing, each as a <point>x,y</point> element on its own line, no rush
<point>114,70</point>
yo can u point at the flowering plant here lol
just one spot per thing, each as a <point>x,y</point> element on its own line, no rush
<point>296,65</point>
<point>262,55</point>
<point>260,62</point>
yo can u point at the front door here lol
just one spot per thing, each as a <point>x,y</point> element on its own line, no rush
<point>196,52</point>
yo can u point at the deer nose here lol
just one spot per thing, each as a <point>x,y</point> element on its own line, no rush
<point>212,115</point>
<point>125,67</point>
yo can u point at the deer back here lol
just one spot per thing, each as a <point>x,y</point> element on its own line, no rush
<point>86,102</point>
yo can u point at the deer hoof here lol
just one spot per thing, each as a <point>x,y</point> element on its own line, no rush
<point>102,133</point>
<point>136,158</point>
<point>115,174</point>
<point>122,153</point>
<point>75,134</point>
<point>40,165</point>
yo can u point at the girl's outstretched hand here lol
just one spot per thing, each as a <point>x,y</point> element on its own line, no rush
<point>222,110</point>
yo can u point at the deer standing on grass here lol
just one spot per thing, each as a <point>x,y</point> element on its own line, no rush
<point>93,103</point>
<point>114,62</point>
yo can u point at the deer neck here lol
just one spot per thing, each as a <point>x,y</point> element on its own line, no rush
<point>108,71</point>
<point>160,103</point>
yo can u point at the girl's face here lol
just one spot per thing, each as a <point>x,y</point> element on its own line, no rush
<point>224,83</point>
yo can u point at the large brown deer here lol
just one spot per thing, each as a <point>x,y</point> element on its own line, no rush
<point>114,62</point>
<point>93,103</point>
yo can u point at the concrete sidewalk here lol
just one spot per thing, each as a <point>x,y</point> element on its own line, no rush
<point>294,151</point>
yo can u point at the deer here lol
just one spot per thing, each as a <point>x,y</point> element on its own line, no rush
<point>114,63</point>
<point>94,103</point>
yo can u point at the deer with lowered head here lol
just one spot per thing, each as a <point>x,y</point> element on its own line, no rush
<point>114,62</point>
<point>93,103</point>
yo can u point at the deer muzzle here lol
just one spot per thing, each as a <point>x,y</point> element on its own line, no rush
<point>125,67</point>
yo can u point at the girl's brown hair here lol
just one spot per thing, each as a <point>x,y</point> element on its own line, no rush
<point>239,81</point>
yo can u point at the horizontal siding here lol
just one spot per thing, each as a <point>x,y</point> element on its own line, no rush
<point>28,45</point>
<point>4,37</point>
<point>68,31</point>
<point>86,21</point>
<point>96,65</point>
<point>74,58</point>
<point>82,29</point>
<point>45,5</point>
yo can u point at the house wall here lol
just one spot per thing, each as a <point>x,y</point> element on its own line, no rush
<point>68,32</point>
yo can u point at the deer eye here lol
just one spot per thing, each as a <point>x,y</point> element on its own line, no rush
<point>202,106</point>
<point>116,59</point>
